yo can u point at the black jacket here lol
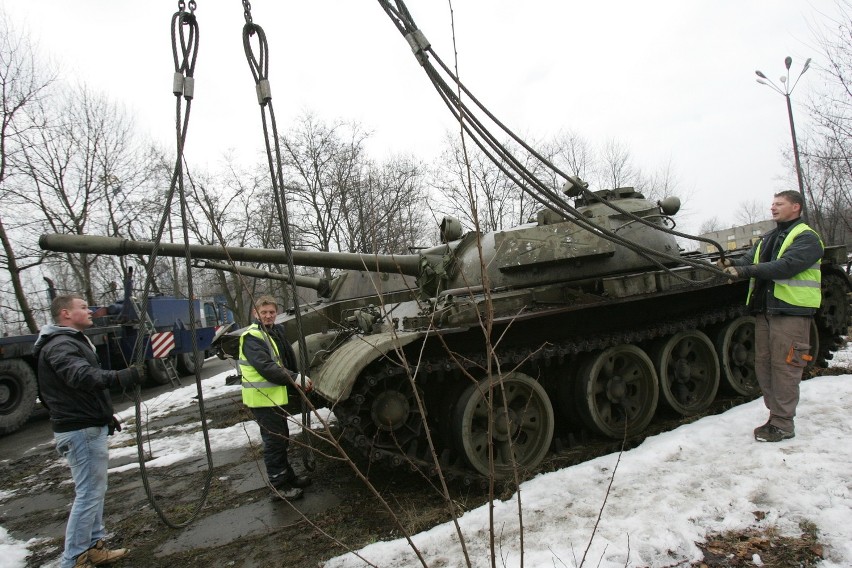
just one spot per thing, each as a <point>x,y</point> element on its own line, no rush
<point>805,250</point>
<point>72,385</point>
<point>257,355</point>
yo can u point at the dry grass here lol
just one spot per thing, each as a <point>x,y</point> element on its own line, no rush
<point>738,548</point>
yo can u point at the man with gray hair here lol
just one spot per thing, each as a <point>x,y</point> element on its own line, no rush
<point>268,367</point>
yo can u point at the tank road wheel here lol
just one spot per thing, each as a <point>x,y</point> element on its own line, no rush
<point>619,391</point>
<point>735,347</point>
<point>521,418</point>
<point>832,318</point>
<point>833,313</point>
<point>17,394</point>
<point>390,417</point>
<point>688,369</point>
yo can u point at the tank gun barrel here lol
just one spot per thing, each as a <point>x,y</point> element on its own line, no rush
<point>405,264</point>
<point>321,285</point>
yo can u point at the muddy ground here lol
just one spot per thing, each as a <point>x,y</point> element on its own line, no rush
<point>242,523</point>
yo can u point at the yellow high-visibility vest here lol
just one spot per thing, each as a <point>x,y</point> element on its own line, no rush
<point>803,289</point>
<point>257,391</point>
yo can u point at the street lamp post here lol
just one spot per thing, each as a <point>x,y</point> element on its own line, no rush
<point>786,92</point>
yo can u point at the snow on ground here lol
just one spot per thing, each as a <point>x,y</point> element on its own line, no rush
<point>13,552</point>
<point>671,491</point>
<point>668,493</point>
<point>179,445</point>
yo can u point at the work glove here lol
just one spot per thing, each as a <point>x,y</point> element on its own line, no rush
<point>732,273</point>
<point>114,425</point>
<point>142,371</point>
<point>130,377</point>
<point>723,263</point>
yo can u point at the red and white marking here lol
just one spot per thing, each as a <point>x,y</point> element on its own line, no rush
<point>162,343</point>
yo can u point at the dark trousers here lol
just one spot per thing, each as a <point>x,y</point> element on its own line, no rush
<point>778,379</point>
<point>275,434</point>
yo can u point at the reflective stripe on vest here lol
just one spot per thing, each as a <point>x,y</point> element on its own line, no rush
<point>258,392</point>
<point>803,289</point>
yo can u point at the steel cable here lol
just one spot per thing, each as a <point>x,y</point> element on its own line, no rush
<point>501,156</point>
<point>259,67</point>
<point>185,39</point>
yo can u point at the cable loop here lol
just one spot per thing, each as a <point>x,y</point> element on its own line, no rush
<point>184,39</point>
<point>259,65</point>
<point>260,69</point>
<point>183,84</point>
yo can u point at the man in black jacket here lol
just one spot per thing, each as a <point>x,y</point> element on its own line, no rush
<point>75,390</point>
<point>267,366</point>
<point>784,294</point>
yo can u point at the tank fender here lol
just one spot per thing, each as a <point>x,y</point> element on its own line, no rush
<point>334,379</point>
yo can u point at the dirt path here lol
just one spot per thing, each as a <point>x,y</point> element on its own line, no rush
<point>242,523</point>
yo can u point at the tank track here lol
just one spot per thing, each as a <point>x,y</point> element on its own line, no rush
<point>413,452</point>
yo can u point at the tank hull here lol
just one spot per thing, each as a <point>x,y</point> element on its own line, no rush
<point>607,361</point>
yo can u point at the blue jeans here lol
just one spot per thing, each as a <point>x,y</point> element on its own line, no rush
<point>88,455</point>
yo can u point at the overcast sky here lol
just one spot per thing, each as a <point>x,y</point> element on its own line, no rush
<point>672,80</point>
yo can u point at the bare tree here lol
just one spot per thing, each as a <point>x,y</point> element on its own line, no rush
<point>751,211</point>
<point>84,172</point>
<point>322,165</point>
<point>661,183</point>
<point>615,166</point>
<point>234,208</point>
<point>710,225</point>
<point>385,215</point>
<point>24,82</point>
<point>574,154</point>
<point>827,149</point>
<point>496,198</point>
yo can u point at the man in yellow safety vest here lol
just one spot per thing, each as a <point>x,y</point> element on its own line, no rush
<point>267,364</point>
<point>784,294</point>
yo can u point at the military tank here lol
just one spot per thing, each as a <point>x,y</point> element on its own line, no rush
<point>594,324</point>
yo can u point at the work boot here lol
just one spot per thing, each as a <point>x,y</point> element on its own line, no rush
<point>285,488</point>
<point>289,493</point>
<point>100,554</point>
<point>297,480</point>
<point>761,430</point>
<point>774,434</point>
<point>83,561</point>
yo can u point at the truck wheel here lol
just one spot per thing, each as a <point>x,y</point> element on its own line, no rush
<point>17,394</point>
<point>187,363</point>
<point>157,374</point>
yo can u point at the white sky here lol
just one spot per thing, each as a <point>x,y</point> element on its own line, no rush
<point>672,80</point>
<point>668,493</point>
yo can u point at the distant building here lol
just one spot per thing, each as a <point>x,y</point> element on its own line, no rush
<point>737,237</point>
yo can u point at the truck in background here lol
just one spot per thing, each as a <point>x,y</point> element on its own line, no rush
<point>166,336</point>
